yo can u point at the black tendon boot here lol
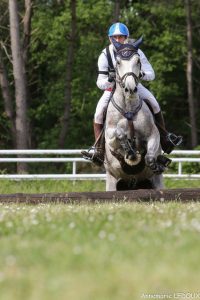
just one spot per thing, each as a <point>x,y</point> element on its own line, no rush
<point>97,157</point>
<point>168,140</point>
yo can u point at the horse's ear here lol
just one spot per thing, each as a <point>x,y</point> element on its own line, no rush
<point>116,44</point>
<point>138,42</point>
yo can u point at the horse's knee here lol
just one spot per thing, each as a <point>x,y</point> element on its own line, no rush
<point>111,137</point>
<point>120,133</point>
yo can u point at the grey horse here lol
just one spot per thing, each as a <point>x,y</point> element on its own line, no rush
<point>132,141</point>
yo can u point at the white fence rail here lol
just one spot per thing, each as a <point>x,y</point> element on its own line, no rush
<point>5,158</point>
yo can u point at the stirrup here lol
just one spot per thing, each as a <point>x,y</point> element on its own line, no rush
<point>171,141</point>
<point>87,155</point>
<point>94,157</point>
<point>174,139</point>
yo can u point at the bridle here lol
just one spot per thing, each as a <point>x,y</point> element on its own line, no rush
<point>129,115</point>
<point>122,80</point>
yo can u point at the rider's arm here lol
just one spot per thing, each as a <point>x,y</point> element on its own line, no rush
<point>102,81</point>
<point>146,67</point>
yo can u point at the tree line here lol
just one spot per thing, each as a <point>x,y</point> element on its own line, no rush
<point>48,66</point>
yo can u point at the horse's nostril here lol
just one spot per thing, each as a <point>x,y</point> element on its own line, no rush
<point>135,90</point>
<point>126,90</point>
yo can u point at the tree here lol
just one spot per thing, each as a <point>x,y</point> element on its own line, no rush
<point>20,81</point>
<point>7,98</point>
<point>69,72</point>
<point>189,73</point>
<point>6,87</point>
<point>27,29</point>
<point>116,11</point>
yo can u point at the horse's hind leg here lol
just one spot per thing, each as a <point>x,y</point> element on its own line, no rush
<point>157,182</point>
<point>111,182</point>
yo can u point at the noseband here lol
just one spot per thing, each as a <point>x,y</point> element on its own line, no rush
<point>123,78</point>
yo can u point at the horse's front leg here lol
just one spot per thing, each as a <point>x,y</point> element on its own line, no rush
<point>127,141</point>
<point>111,182</point>
<point>153,149</point>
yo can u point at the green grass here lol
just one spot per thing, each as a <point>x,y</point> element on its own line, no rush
<point>63,186</point>
<point>110,251</point>
<point>102,251</point>
<point>174,184</point>
<point>49,186</point>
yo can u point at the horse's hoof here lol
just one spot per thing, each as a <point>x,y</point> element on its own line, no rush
<point>133,161</point>
<point>156,167</point>
<point>151,163</point>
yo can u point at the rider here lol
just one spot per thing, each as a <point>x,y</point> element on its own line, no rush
<point>106,82</point>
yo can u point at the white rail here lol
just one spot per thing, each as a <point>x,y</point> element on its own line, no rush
<point>75,160</point>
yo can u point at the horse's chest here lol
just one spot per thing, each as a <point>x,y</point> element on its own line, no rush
<point>141,125</point>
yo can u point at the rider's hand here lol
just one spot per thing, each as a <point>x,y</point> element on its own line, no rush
<point>111,76</point>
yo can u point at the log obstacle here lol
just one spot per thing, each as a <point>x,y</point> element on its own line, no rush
<point>179,195</point>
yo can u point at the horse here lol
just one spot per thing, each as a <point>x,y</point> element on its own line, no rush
<point>133,157</point>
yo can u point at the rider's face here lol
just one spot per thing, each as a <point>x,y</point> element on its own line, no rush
<point>120,38</point>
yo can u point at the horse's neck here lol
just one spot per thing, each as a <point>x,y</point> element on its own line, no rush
<point>128,103</point>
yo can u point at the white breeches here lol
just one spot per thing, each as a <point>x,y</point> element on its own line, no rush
<point>101,107</point>
<point>143,92</point>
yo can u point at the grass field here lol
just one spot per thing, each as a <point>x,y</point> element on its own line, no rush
<point>110,251</point>
<point>62,186</point>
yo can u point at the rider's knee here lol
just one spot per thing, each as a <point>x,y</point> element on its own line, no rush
<point>156,109</point>
<point>98,117</point>
<point>154,105</point>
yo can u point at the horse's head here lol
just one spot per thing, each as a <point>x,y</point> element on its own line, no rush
<point>127,65</point>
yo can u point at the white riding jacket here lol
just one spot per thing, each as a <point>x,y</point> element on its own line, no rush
<point>102,80</point>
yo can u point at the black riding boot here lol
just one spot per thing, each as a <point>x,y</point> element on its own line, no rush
<point>97,157</point>
<point>168,140</point>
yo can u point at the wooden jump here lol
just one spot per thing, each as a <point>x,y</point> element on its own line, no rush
<point>180,195</point>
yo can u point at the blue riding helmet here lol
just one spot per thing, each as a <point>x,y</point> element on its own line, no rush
<point>118,29</point>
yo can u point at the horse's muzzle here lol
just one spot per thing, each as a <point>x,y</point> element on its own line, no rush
<point>131,91</point>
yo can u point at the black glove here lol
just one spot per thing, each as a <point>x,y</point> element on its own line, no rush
<point>111,76</point>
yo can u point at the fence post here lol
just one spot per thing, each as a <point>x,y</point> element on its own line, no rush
<point>179,168</point>
<point>74,168</point>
